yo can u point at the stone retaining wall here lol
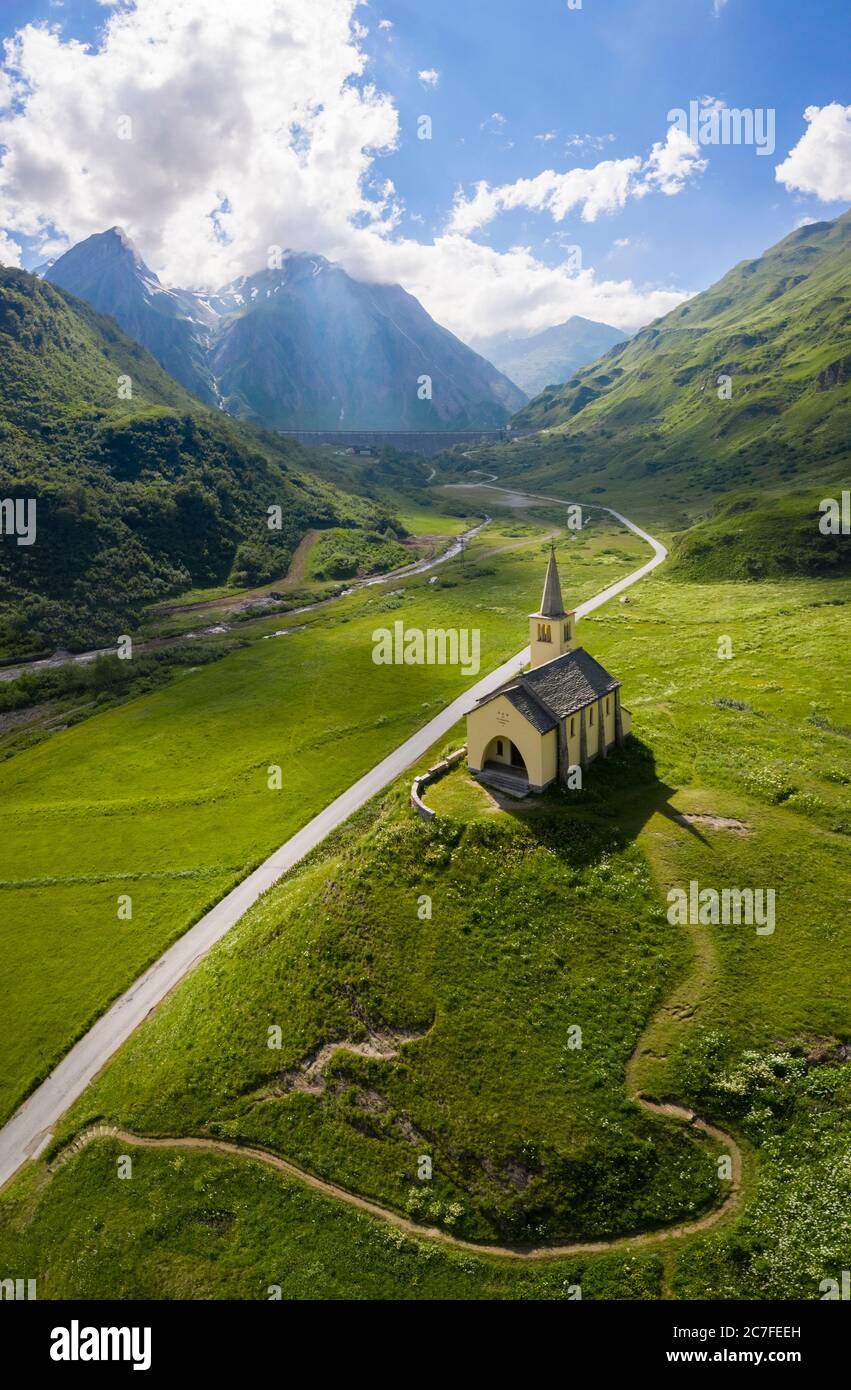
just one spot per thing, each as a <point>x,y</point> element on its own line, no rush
<point>425,779</point>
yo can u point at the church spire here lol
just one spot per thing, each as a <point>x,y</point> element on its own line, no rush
<point>552,605</point>
<point>552,629</point>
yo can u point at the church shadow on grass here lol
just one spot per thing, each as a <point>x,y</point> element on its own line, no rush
<point>619,796</point>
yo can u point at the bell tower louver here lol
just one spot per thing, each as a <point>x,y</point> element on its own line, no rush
<point>552,630</point>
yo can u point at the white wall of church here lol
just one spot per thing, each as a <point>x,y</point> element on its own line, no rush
<point>499,719</point>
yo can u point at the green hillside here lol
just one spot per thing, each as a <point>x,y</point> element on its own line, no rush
<point>749,536</point>
<point>169,792</point>
<point>136,497</point>
<point>546,914</point>
<point>647,419</point>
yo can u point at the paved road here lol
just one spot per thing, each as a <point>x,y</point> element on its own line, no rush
<point>29,1129</point>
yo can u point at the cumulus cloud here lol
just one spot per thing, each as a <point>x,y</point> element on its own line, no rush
<point>10,251</point>
<point>244,135</point>
<point>670,164</point>
<point>477,291</point>
<point>603,188</point>
<point>820,163</point>
<point>269,133</point>
<point>6,90</point>
<point>429,77</point>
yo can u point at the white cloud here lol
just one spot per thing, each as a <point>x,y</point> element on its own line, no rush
<point>603,188</point>
<point>594,143</point>
<point>247,136</point>
<point>476,291</point>
<point>10,251</point>
<point>429,77</point>
<point>621,242</point>
<point>53,248</point>
<point>820,163</point>
<point>244,135</point>
<point>670,164</point>
<point>546,136</point>
<point>717,7</point>
<point>495,123</point>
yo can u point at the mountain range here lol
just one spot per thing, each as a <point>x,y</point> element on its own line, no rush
<point>552,356</point>
<point>136,496</point>
<point>303,346</point>
<point>745,384</point>
<point>739,396</point>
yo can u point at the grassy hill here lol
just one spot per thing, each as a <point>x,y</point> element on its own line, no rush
<point>543,916</point>
<point>166,796</point>
<point>448,1035</point>
<point>749,536</point>
<point>645,424</point>
<point>530,1141</point>
<point>136,497</point>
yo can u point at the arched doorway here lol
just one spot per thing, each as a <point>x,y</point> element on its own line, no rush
<point>502,753</point>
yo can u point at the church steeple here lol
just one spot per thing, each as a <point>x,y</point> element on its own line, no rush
<point>552,630</point>
<point>551,603</point>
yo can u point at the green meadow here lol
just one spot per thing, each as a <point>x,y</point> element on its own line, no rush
<point>166,796</point>
<point>545,915</point>
<point>192,1226</point>
<point>531,1140</point>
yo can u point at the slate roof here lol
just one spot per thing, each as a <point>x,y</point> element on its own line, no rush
<point>526,704</point>
<point>569,682</point>
<point>558,688</point>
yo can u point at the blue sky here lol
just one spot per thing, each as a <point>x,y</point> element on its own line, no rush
<point>597,81</point>
<point>617,67</point>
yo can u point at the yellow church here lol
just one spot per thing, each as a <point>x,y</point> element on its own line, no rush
<point>559,715</point>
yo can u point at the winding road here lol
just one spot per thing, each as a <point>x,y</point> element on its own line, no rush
<point>30,1128</point>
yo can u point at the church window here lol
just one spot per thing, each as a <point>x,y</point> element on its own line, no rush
<point>544,634</point>
<point>499,747</point>
<point>591,715</point>
<point>572,723</point>
<point>567,632</point>
<point>607,704</point>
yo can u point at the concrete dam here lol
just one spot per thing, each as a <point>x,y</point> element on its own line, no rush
<point>410,441</point>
